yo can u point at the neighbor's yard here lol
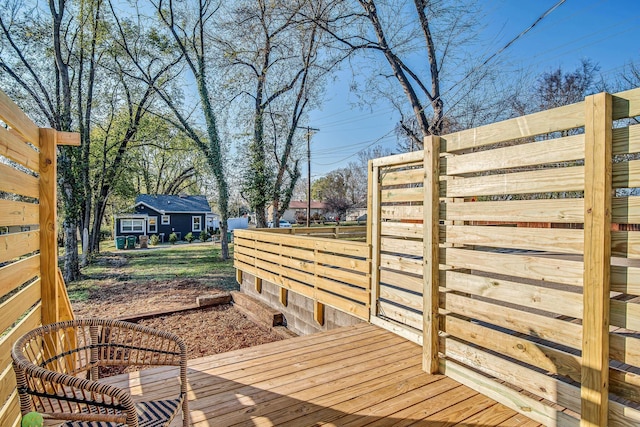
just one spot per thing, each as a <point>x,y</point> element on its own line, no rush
<point>124,283</point>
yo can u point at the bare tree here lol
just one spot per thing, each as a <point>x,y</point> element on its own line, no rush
<point>272,51</point>
<point>382,28</point>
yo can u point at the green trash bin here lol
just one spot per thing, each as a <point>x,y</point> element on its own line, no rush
<point>131,242</point>
<point>229,236</point>
<point>120,241</point>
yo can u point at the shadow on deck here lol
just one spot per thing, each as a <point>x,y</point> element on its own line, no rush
<point>354,376</point>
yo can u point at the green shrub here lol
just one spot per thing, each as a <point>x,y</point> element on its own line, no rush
<point>106,233</point>
<point>154,240</point>
<point>189,237</point>
<point>204,235</point>
<point>173,238</point>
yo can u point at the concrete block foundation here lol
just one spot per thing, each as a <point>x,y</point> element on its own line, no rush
<point>299,310</point>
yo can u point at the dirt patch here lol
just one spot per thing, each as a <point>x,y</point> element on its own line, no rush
<point>125,298</point>
<point>206,331</point>
<point>213,330</point>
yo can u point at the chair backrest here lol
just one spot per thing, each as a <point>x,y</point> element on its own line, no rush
<point>57,367</point>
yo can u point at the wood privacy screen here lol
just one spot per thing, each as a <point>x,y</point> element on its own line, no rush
<point>530,296</point>
<point>31,289</point>
<point>331,272</point>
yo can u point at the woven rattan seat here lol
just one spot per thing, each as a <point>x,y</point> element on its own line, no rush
<point>58,373</point>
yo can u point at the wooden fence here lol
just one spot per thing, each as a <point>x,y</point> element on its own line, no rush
<point>331,272</point>
<point>529,316</point>
<point>352,232</point>
<point>32,291</point>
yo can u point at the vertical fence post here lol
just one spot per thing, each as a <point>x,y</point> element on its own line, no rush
<point>48,233</point>
<point>431,263</point>
<point>373,235</point>
<point>597,260</point>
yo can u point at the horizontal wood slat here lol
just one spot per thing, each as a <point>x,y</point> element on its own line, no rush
<point>540,181</point>
<point>626,210</point>
<point>552,210</point>
<point>18,244</point>
<point>14,307</point>
<point>402,280</point>
<point>15,274</point>
<point>535,153</point>
<point>534,408</point>
<point>626,140</point>
<point>539,384</point>
<point>400,229</point>
<point>533,267</point>
<point>401,298</point>
<point>536,239</point>
<point>403,177</point>
<point>400,315</point>
<point>18,182</point>
<point>12,115</point>
<point>14,148</point>
<point>413,248</point>
<point>406,212</point>
<point>18,213</point>
<point>397,195</point>
<point>517,347</point>
<point>401,264</point>
<point>625,244</point>
<point>556,119</point>
<point>527,295</point>
<point>548,328</point>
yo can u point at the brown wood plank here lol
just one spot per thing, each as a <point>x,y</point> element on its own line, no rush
<point>552,210</point>
<point>15,274</point>
<point>18,213</point>
<point>514,292</point>
<point>540,181</point>
<point>15,245</point>
<point>415,413</point>
<point>12,115</point>
<point>13,308</point>
<point>561,118</point>
<point>548,328</point>
<point>597,260</point>
<point>530,154</point>
<point>14,148</point>
<point>18,182</point>
<point>359,375</point>
<point>564,271</point>
<point>536,239</point>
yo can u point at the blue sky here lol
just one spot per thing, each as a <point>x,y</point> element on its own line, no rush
<point>604,31</point>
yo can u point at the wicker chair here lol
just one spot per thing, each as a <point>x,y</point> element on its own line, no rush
<point>57,369</point>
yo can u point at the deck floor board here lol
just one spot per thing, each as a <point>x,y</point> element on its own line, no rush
<point>355,376</point>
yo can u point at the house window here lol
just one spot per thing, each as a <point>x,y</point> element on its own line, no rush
<point>166,219</point>
<point>132,225</point>
<point>196,223</point>
<point>152,224</point>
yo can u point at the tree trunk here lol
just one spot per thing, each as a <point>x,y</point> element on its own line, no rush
<point>71,259</point>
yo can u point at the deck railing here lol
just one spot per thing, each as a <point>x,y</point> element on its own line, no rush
<point>510,253</point>
<point>32,291</point>
<point>328,271</point>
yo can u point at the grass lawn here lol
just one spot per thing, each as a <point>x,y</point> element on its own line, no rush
<point>162,263</point>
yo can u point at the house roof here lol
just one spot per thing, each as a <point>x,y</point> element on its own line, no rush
<point>174,204</point>
<point>302,204</point>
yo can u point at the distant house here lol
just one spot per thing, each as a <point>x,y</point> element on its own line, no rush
<point>298,209</point>
<point>164,214</point>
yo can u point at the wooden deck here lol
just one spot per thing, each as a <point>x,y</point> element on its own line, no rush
<point>354,376</point>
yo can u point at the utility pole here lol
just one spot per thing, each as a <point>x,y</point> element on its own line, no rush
<point>309,129</point>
